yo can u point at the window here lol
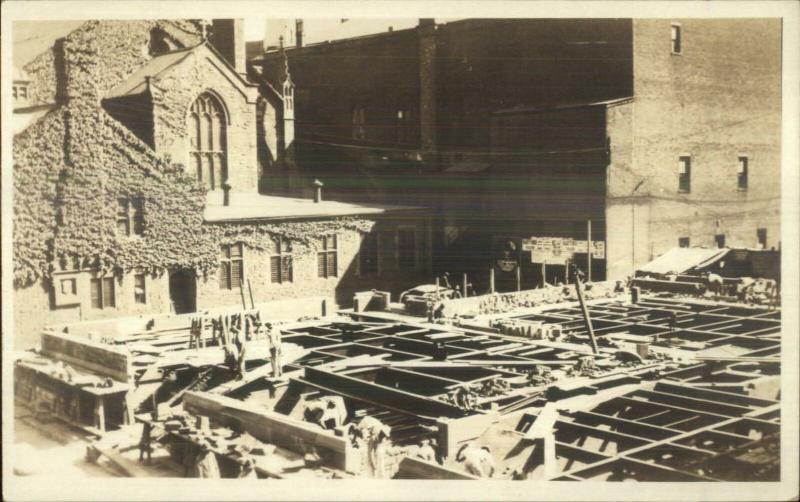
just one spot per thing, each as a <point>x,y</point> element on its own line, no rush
<point>685,174</point>
<point>102,293</point>
<point>139,292</point>
<point>406,248</point>
<point>742,172</point>
<point>368,254</point>
<point>231,267</point>
<point>69,287</point>
<point>683,242</point>
<point>761,233</point>
<point>403,126</point>
<point>676,38</point>
<point>281,261</point>
<point>130,216</point>
<point>288,95</point>
<point>720,240</point>
<point>359,131</point>
<point>208,146</point>
<point>326,257</point>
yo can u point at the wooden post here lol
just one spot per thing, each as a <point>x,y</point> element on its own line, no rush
<point>566,271</point>
<point>437,288</point>
<point>544,273</point>
<point>589,251</point>
<point>465,285</point>
<point>519,277</point>
<point>250,290</point>
<point>491,279</point>
<point>587,320</point>
<point>241,290</point>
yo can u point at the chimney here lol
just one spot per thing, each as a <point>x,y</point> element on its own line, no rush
<point>226,194</point>
<point>318,191</point>
<point>298,32</point>
<point>426,32</point>
<point>227,35</point>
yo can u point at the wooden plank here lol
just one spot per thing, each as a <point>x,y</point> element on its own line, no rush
<point>415,468</point>
<point>89,355</point>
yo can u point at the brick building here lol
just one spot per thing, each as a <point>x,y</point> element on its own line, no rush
<point>512,128</point>
<point>139,150</point>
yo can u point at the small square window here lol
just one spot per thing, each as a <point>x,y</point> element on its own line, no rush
<point>683,242</point>
<point>676,38</point>
<point>720,240</point>
<point>69,287</point>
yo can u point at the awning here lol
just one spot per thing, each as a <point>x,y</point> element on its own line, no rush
<point>681,260</point>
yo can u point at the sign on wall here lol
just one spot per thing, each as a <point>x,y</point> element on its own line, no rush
<point>557,250</point>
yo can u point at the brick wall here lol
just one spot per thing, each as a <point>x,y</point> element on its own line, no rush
<point>719,99</point>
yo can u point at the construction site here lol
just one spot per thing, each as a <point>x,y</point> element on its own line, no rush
<point>672,376</point>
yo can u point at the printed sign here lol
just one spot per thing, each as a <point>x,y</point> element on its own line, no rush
<point>557,250</point>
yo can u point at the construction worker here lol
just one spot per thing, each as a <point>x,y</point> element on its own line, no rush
<point>478,461</point>
<point>238,342</point>
<point>275,347</point>
<point>425,451</point>
<point>715,282</point>
<point>376,435</point>
<point>145,446</point>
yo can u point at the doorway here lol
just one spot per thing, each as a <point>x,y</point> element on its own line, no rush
<point>183,291</point>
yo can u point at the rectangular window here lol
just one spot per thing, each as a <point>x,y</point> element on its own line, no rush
<point>742,172</point>
<point>69,287</point>
<point>139,291</point>
<point>683,242</point>
<point>102,293</point>
<point>676,38</point>
<point>368,254</point>
<point>231,267</point>
<point>406,248</point>
<point>326,257</point>
<point>130,216</point>
<point>684,174</point>
<point>762,237</point>
<point>281,261</point>
<point>720,240</point>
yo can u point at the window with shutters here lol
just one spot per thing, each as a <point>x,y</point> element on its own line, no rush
<point>280,263</point>
<point>208,144</point>
<point>103,294</point>
<point>130,216</point>
<point>139,291</point>
<point>406,248</point>
<point>368,254</point>
<point>231,266</point>
<point>326,257</point>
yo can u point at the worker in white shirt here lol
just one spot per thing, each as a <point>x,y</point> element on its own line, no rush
<point>275,347</point>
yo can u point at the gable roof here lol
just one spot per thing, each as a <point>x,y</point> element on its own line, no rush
<point>137,82</point>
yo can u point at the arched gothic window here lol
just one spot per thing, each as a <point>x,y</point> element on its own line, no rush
<point>207,129</point>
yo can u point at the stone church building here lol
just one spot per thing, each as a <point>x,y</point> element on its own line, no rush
<point>142,159</point>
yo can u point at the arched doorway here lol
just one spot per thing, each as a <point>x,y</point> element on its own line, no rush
<point>183,291</point>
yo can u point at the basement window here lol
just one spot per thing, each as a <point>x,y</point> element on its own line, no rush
<point>326,257</point>
<point>742,171</point>
<point>103,293</point>
<point>280,263</point>
<point>683,242</point>
<point>231,266</point>
<point>685,174</point>
<point>139,291</point>
<point>676,38</point>
<point>720,240</point>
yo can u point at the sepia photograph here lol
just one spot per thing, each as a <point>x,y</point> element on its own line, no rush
<point>299,249</point>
